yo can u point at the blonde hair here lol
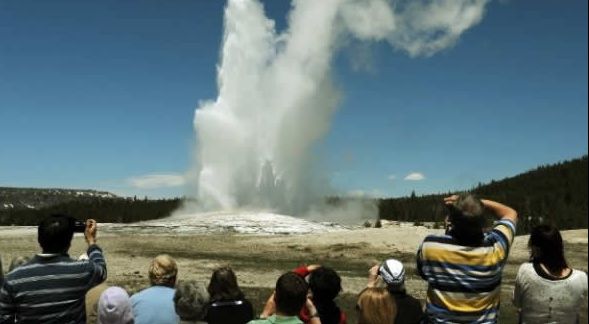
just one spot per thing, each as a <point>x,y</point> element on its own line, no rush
<point>163,271</point>
<point>376,306</point>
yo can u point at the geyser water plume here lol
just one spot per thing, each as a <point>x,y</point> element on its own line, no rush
<point>276,97</point>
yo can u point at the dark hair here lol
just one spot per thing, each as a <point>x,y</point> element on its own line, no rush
<point>55,233</point>
<point>466,216</point>
<point>325,284</point>
<point>291,293</point>
<point>223,285</point>
<point>546,247</point>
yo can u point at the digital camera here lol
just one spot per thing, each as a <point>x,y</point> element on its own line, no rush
<point>79,226</point>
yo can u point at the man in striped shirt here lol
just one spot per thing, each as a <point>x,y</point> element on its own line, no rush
<point>463,268</point>
<point>51,287</point>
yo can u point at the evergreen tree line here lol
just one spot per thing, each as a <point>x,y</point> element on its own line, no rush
<point>107,210</point>
<point>556,194</point>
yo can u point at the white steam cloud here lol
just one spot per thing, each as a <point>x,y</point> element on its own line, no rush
<point>276,97</point>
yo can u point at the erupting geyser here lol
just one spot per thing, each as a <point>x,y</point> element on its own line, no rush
<point>276,97</point>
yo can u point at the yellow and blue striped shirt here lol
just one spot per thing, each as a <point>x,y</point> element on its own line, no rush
<point>464,282</point>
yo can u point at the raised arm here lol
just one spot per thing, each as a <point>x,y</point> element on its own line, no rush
<point>96,260</point>
<point>373,276</point>
<point>500,210</point>
<point>313,314</point>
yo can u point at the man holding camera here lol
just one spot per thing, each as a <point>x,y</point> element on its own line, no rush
<point>51,287</point>
<point>463,268</point>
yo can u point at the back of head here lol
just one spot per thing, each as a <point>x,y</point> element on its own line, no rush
<point>291,294</point>
<point>223,285</point>
<point>392,273</point>
<point>114,307</point>
<point>163,271</point>
<point>190,300</point>
<point>325,284</point>
<point>18,261</point>
<point>466,216</point>
<point>376,306</point>
<point>546,247</point>
<point>55,233</point>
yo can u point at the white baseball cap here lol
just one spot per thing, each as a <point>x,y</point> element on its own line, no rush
<point>392,272</point>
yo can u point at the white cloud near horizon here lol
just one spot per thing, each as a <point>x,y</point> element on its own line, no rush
<point>157,180</point>
<point>414,176</point>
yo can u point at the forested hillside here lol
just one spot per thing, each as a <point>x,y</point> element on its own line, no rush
<point>118,210</point>
<point>36,198</point>
<point>554,193</point>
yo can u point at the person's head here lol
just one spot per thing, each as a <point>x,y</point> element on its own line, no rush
<point>114,307</point>
<point>546,247</point>
<point>325,284</point>
<point>190,300</point>
<point>163,271</point>
<point>290,294</point>
<point>55,233</point>
<point>223,285</point>
<point>18,261</point>
<point>467,219</point>
<point>376,306</point>
<point>392,273</point>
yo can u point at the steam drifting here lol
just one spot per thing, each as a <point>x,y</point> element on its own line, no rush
<point>276,97</point>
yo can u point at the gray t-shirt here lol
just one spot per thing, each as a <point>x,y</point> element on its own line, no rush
<point>542,300</point>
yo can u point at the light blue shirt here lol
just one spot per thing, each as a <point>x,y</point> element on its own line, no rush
<point>154,305</point>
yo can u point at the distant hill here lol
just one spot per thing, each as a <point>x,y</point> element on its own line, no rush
<point>28,206</point>
<point>37,198</point>
<point>554,193</point>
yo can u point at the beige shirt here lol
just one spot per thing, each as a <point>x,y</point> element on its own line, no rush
<point>542,300</point>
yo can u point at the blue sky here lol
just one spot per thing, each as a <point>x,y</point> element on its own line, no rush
<point>101,94</point>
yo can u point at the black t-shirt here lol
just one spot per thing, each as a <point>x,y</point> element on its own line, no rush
<point>230,312</point>
<point>409,310</point>
<point>329,313</point>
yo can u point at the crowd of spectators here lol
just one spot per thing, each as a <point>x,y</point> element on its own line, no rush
<point>462,267</point>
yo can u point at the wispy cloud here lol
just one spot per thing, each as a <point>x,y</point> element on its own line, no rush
<point>414,176</point>
<point>392,177</point>
<point>157,180</point>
